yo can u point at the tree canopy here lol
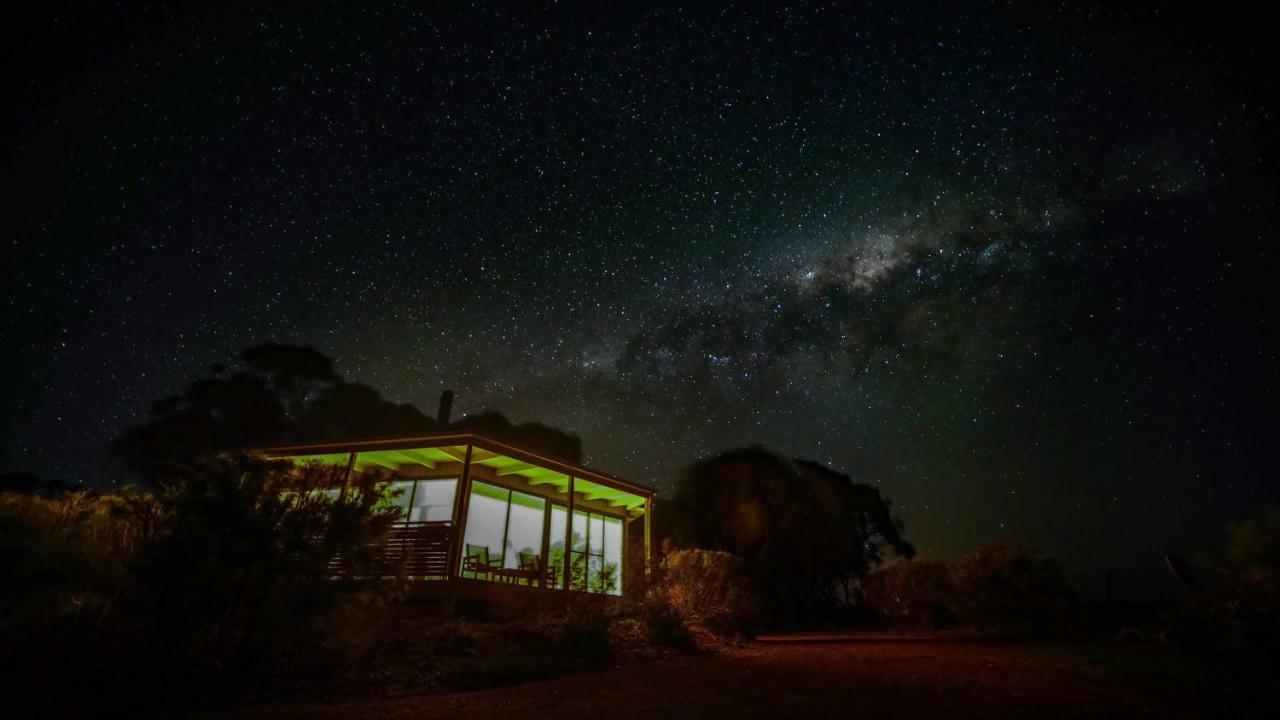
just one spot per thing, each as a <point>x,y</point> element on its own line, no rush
<point>293,394</point>
<point>803,530</point>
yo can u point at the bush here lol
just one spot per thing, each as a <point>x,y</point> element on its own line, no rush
<point>584,632</point>
<point>1234,611</point>
<point>703,588</point>
<point>455,638</point>
<point>66,559</point>
<point>914,593</point>
<point>1007,588</point>
<point>1001,588</point>
<point>238,557</point>
<point>226,563</point>
<point>664,624</point>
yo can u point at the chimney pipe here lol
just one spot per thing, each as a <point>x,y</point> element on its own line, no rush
<point>446,407</point>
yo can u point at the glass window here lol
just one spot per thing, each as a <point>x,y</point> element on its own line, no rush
<point>502,524</point>
<point>524,529</point>
<point>433,500</point>
<point>597,534</point>
<point>579,531</point>
<point>421,500</point>
<point>578,556</point>
<point>611,581</point>
<point>486,529</point>
<point>596,558</point>
<point>399,494</point>
<point>555,559</point>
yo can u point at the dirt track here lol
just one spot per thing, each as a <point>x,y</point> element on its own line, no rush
<point>841,676</point>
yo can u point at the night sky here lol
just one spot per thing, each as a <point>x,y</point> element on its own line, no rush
<point>1010,264</point>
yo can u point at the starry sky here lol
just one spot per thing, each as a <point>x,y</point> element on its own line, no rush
<point>1008,263</point>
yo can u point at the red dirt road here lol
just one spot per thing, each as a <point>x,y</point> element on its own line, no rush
<point>845,677</point>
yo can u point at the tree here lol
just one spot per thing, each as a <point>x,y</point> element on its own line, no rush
<point>548,440</point>
<point>238,554</point>
<point>1234,613</point>
<point>263,403</point>
<point>287,394</point>
<point>804,531</point>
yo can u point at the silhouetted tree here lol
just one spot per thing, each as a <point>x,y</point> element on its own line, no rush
<point>353,410</point>
<point>803,530</point>
<point>237,554</point>
<point>19,482</point>
<point>27,483</point>
<point>290,393</point>
<point>548,440</point>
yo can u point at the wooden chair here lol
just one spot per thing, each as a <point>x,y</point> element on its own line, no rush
<point>478,562</point>
<point>530,569</point>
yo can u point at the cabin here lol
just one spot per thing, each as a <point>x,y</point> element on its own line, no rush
<point>477,515</point>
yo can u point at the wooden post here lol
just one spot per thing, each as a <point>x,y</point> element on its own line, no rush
<point>506,528</point>
<point>648,537</point>
<point>544,555</point>
<point>568,537</point>
<point>346,477</point>
<point>461,501</point>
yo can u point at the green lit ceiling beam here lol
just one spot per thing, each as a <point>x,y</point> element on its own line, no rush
<point>615,501</point>
<point>415,456</point>
<point>517,469</point>
<point>597,495</point>
<point>366,459</point>
<point>458,453</point>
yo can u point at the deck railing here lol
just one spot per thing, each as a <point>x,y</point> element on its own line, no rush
<point>418,550</point>
<point>421,548</point>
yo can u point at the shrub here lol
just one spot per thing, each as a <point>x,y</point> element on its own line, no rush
<point>239,557</point>
<point>704,588</point>
<point>455,638</point>
<point>66,559</point>
<point>1007,588</point>
<point>1000,588</point>
<point>584,632</point>
<point>225,563</point>
<point>1233,612</point>
<point>915,593</point>
<point>664,624</point>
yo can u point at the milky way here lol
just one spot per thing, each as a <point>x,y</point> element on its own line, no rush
<point>1007,265</point>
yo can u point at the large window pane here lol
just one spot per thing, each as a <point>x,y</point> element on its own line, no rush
<point>486,528</point>
<point>579,531</point>
<point>504,523</point>
<point>596,558</point>
<point>578,556</point>
<point>524,528</point>
<point>433,500</point>
<point>613,529</point>
<point>597,534</point>
<point>398,495</point>
<point>555,559</point>
<point>596,581</point>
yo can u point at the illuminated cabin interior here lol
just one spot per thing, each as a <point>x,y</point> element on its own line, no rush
<point>476,510</point>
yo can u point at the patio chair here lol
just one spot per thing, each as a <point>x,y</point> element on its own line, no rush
<point>478,562</point>
<point>530,569</point>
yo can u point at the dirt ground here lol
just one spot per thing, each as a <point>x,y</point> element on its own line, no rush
<point>846,676</point>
